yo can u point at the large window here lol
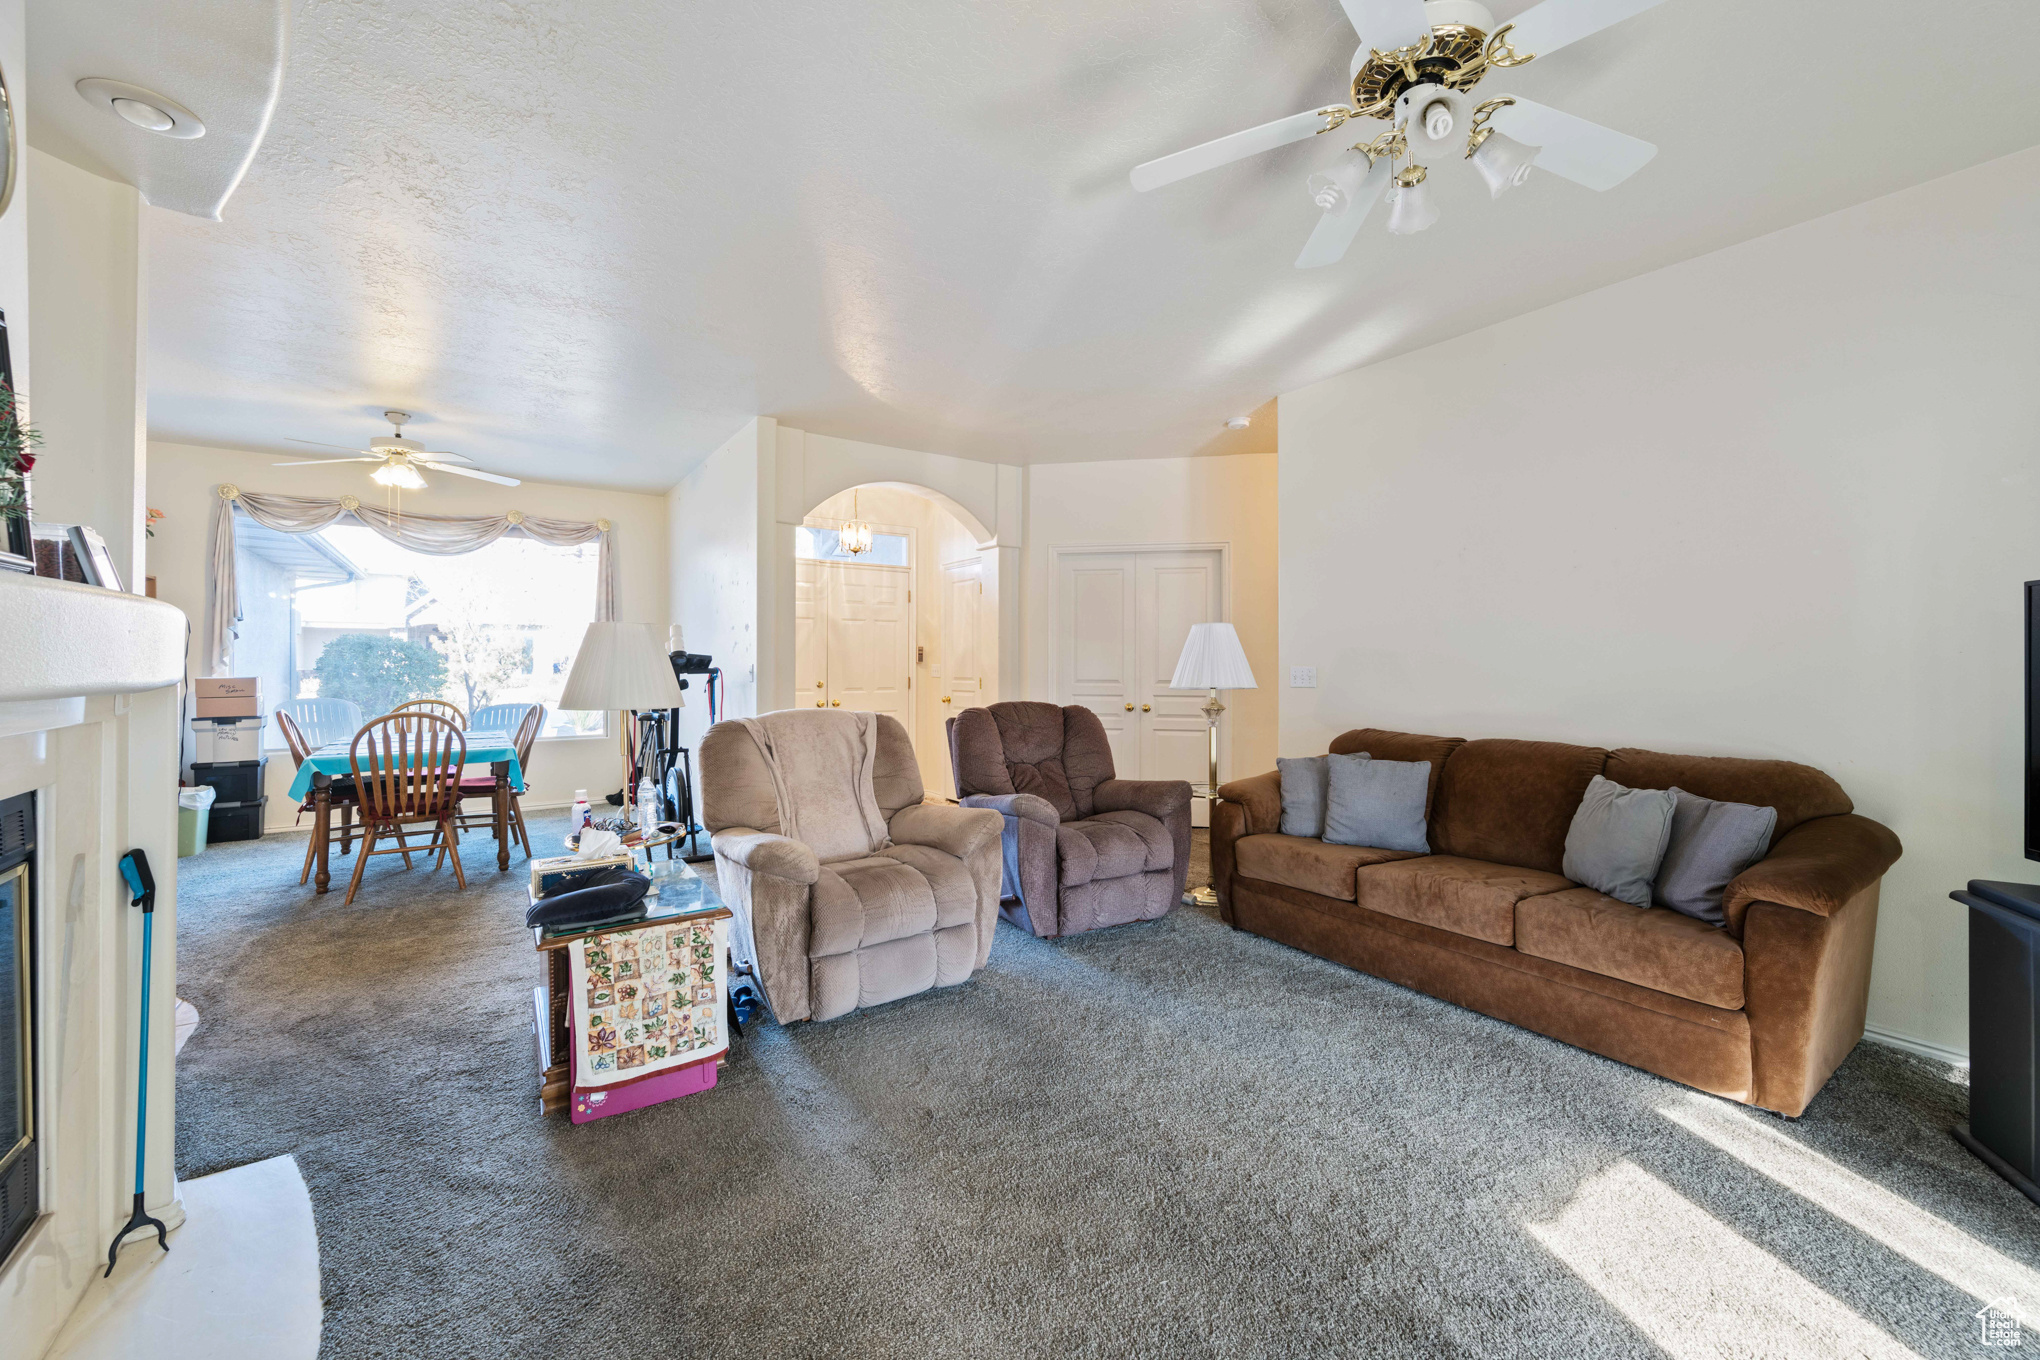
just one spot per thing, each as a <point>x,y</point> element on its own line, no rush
<point>346,613</point>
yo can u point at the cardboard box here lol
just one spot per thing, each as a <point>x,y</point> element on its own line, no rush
<point>563,873</point>
<point>235,707</point>
<point>228,687</point>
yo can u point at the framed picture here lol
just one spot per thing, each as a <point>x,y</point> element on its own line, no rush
<point>17,546</point>
<point>96,561</point>
<point>54,555</point>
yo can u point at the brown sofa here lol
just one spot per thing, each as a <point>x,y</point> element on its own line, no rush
<point>1083,849</point>
<point>1762,1011</point>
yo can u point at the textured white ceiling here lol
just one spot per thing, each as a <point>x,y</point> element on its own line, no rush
<point>586,241</point>
<point>221,59</point>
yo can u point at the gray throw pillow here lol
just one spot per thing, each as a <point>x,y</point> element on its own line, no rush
<point>1617,840</point>
<point>1303,794</point>
<point>1379,803</point>
<point>1711,843</point>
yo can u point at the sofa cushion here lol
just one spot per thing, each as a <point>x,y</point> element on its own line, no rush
<point>1377,802</point>
<point>1110,845</point>
<point>1511,802</point>
<point>1307,863</point>
<point>1385,745</point>
<point>1058,754</point>
<point>1799,792</point>
<point>1618,839</point>
<point>1661,950</point>
<point>1304,784</point>
<point>1465,896</point>
<point>1711,843</point>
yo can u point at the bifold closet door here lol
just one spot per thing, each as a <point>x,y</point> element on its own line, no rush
<point>1173,591</point>
<point>1122,618</point>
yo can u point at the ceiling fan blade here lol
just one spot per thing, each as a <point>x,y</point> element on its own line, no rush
<point>1385,25</point>
<point>1553,24</point>
<point>1585,153</point>
<point>1168,169</point>
<point>448,456</point>
<point>1336,228</point>
<point>475,473</point>
<point>317,445</point>
<point>322,462</point>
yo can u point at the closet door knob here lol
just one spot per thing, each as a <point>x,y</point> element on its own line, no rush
<point>1145,707</point>
<point>818,684</point>
<point>835,703</point>
<point>819,704</point>
<point>945,698</point>
<point>1129,708</point>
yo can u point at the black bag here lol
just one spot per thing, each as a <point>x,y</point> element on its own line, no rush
<point>615,894</point>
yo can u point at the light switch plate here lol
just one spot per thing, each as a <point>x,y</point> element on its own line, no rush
<point>1303,677</point>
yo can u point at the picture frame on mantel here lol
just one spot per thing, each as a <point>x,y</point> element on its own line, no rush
<point>93,558</point>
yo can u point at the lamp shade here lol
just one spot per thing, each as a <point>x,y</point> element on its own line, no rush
<point>620,665</point>
<point>1212,659</point>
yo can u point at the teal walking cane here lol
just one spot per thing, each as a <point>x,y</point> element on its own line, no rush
<point>134,867</point>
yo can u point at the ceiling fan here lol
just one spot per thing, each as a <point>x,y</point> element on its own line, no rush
<point>1416,64</point>
<point>401,458</point>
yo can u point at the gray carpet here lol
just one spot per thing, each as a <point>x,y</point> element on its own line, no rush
<point>1162,1140</point>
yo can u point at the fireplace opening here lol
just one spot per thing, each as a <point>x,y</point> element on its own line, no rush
<point>20,1183</point>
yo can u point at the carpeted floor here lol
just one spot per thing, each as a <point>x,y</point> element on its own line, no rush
<point>1164,1140</point>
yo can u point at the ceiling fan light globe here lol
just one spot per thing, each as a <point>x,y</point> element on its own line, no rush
<point>1411,210</point>
<point>398,474</point>
<point>1504,162</point>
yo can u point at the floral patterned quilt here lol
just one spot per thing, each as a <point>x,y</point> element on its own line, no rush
<point>646,998</point>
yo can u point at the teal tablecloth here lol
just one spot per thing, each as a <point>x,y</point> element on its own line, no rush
<point>483,748</point>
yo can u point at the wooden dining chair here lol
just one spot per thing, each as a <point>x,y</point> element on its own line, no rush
<point>407,770</point>
<point>438,708</point>
<point>339,796</point>
<point>485,786</point>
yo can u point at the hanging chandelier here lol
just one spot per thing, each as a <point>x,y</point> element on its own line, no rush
<point>856,535</point>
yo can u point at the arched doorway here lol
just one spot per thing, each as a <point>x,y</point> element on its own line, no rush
<point>904,627</point>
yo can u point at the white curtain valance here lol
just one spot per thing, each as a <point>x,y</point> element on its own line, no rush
<point>443,535</point>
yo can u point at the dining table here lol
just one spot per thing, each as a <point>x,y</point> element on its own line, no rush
<point>497,750</point>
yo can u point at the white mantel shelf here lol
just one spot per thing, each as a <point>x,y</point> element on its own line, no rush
<point>91,721</point>
<point>86,641</point>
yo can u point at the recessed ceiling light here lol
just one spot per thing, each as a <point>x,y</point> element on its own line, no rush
<point>142,108</point>
<point>1239,422</point>
<point>145,116</point>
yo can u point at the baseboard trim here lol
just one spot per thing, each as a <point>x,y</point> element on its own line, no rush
<point>1917,1047</point>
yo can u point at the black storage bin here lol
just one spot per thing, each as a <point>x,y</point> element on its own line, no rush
<point>232,781</point>
<point>235,822</point>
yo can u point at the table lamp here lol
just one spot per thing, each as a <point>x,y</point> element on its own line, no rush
<point>621,667</point>
<point>1212,660</point>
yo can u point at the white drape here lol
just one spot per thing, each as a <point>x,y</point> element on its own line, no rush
<point>443,535</point>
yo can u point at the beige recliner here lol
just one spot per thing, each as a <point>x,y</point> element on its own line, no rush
<point>849,891</point>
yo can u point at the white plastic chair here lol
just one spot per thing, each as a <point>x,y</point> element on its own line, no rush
<point>324,721</point>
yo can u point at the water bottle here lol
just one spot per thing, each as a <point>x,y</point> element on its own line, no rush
<point>647,806</point>
<point>582,813</point>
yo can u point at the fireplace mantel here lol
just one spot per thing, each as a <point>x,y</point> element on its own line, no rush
<point>91,720</point>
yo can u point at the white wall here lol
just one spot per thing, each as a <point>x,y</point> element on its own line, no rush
<point>85,263</point>
<point>1776,501</point>
<point>713,552</point>
<point>183,481</point>
<point>1228,500</point>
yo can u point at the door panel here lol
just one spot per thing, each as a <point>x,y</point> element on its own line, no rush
<point>962,675</point>
<point>1096,647</point>
<point>810,671</point>
<point>1176,589</point>
<point>868,652</point>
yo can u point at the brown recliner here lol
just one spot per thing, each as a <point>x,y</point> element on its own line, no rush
<point>1082,848</point>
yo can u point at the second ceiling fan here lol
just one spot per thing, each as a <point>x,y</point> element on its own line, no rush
<point>1416,64</point>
